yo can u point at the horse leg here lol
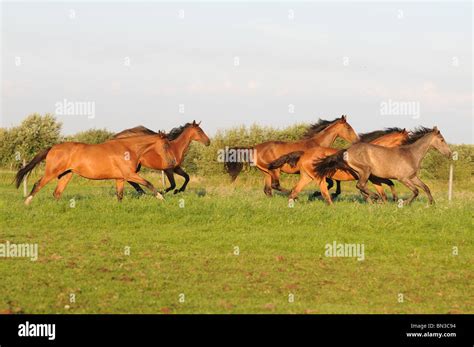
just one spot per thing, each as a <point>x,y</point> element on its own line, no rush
<point>38,185</point>
<point>330,183</point>
<point>63,181</point>
<point>378,187</point>
<point>338,190</point>
<point>410,185</point>
<point>364,174</point>
<point>276,181</point>
<point>304,180</point>
<point>119,185</point>
<point>134,177</point>
<point>416,180</point>
<point>179,170</point>
<point>325,192</point>
<point>170,175</point>
<point>268,184</point>
<point>392,189</point>
<point>137,187</point>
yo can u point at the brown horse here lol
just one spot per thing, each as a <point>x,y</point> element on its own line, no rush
<point>401,163</point>
<point>323,133</point>
<point>180,139</point>
<point>302,161</point>
<point>115,159</point>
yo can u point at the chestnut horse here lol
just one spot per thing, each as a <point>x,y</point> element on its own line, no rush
<point>323,133</point>
<point>115,159</point>
<point>180,139</point>
<point>401,163</point>
<point>390,137</point>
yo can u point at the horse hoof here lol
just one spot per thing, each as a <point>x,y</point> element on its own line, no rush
<point>28,200</point>
<point>159,196</point>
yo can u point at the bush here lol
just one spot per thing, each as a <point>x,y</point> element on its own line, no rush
<point>436,166</point>
<point>33,135</point>
<point>38,132</point>
<point>92,136</point>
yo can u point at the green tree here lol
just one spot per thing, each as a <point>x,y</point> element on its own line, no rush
<point>34,134</point>
<point>91,136</point>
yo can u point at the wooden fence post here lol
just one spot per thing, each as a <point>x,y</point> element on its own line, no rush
<point>25,183</point>
<point>450,187</point>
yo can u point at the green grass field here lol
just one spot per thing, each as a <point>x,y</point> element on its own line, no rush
<point>191,250</point>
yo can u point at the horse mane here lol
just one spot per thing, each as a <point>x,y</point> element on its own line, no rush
<point>319,126</point>
<point>371,136</point>
<point>417,134</point>
<point>175,132</point>
<point>137,131</point>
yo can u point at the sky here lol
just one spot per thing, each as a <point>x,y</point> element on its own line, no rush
<point>227,64</point>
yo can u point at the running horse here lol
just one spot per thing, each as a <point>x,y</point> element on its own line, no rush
<point>401,163</point>
<point>323,133</point>
<point>115,159</point>
<point>180,140</point>
<point>389,137</point>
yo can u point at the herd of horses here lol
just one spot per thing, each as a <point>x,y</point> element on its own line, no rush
<point>378,157</point>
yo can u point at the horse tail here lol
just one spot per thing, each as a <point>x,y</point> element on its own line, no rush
<point>234,167</point>
<point>328,166</point>
<point>290,159</point>
<point>30,166</point>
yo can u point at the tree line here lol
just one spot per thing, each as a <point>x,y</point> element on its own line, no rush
<point>37,132</point>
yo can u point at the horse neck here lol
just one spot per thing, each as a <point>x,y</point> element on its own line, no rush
<point>326,137</point>
<point>181,143</point>
<point>389,140</point>
<point>420,147</point>
<point>142,143</point>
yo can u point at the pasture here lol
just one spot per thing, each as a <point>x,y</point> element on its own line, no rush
<point>230,249</point>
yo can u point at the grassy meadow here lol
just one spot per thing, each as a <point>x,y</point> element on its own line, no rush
<point>227,248</point>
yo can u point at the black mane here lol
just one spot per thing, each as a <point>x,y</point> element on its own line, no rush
<point>371,136</point>
<point>417,134</point>
<point>175,132</point>
<point>319,126</point>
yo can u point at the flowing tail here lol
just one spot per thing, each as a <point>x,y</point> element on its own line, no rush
<point>328,166</point>
<point>30,166</point>
<point>290,159</point>
<point>234,161</point>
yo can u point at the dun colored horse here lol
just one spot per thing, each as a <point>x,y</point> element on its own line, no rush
<point>302,161</point>
<point>323,133</point>
<point>115,159</point>
<point>400,163</point>
<point>180,139</point>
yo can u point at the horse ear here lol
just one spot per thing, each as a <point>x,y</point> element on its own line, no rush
<point>344,118</point>
<point>199,123</point>
<point>194,122</point>
<point>435,129</point>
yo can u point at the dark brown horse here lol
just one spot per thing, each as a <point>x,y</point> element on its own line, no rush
<point>323,133</point>
<point>180,139</point>
<point>301,161</point>
<point>115,159</point>
<point>401,163</point>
